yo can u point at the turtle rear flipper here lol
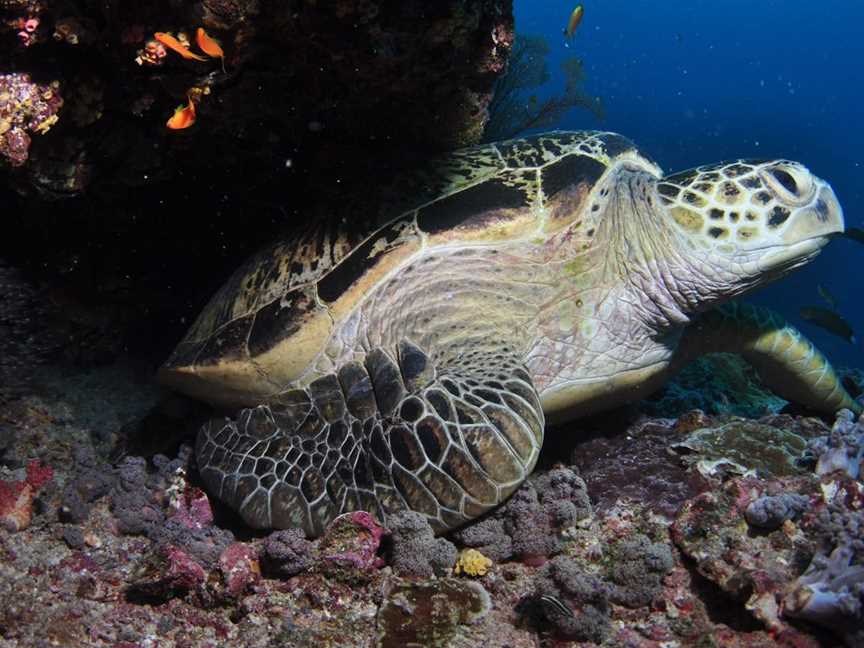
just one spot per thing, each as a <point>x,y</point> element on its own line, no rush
<point>786,361</point>
<point>450,442</point>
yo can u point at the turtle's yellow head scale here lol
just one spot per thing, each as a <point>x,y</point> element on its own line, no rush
<point>751,221</point>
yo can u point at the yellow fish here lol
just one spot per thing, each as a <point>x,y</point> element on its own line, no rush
<point>573,22</point>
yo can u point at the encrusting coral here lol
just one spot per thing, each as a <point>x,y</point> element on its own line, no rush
<point>25,107</point>
<point>842,449</point>
<point>530,525</point>
<point>16,497</point>
<point>831,590</point>
<point>771,511</point>
<point>472,563</point>
<point>416,551</point>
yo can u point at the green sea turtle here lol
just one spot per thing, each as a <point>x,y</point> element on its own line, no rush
<point>412,362</point>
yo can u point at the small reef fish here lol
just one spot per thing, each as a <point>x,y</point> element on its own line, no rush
<point>826,294</point>
<point>183,117</point>
<point>172,43</point>
<point>855,234</point>
<point>556,605</point>
<point>828,320</point>
<point>573,22</point>
<point>209,46</point>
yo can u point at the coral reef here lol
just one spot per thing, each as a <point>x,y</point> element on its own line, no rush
<point>771,511</point>
<point>738,445</point>
<point>841,449</point>
<point>167,572</point>
<point>831,590</point>
<point>530,525</point>
<point>348,550</point>
<point>472,563</point>
<point>287,553</point>
<point>430,613</point>
<point>636,568</point>
<point>26,108</point>
<point>717,383</point>
<point>240,569</point>
<point>415,549</point>
<point>124,548</point>
<point>16,497</point>
<point>831,593</point>
<point>806,558</point>
<point>637,466</point>
<point>576,603</point>
<point>156,503</point>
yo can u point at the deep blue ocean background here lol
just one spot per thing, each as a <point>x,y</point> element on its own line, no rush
<point>694,82</point>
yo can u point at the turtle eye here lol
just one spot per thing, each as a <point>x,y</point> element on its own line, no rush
<point>792,183</point>
<point>785,179</point>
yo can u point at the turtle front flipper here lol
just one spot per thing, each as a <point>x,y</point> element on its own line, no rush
<point>787,362</point>
<point>450,442</point>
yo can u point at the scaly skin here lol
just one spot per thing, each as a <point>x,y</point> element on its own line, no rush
<point>786,360</point>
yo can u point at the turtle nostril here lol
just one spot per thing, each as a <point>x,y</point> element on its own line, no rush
<point>785,178</point>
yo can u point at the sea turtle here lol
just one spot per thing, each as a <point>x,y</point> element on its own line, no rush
<point>413,362</point>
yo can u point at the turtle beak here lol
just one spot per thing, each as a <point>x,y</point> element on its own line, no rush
<point>822,217</point>
<point>808,230</point>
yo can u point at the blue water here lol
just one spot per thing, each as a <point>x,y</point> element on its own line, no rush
<point>694,82</point>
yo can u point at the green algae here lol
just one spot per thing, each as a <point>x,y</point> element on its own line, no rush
<point>765,449</point>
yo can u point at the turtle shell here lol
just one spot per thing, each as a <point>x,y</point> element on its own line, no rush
<point>261,331</point>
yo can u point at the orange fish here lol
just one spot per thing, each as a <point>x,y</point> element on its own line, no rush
<point>209,46</point>
<point>172,43</point>
<point>183,117</point>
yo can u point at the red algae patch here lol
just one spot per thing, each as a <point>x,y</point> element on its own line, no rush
<point>16,497</point>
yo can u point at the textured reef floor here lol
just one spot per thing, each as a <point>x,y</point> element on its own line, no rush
<point>701,529</point>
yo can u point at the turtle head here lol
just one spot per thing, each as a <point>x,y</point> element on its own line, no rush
<point>744,223</point>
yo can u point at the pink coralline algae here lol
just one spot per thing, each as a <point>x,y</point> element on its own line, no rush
<point>167,572</point>
<point>240,568</point>
<point>183,572</point>
<point>192,509</point>
<point>25,107</point>
<point>16,497</point>
<point>349,547</point>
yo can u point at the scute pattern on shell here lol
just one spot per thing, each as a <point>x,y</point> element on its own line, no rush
<point>486,185</point>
